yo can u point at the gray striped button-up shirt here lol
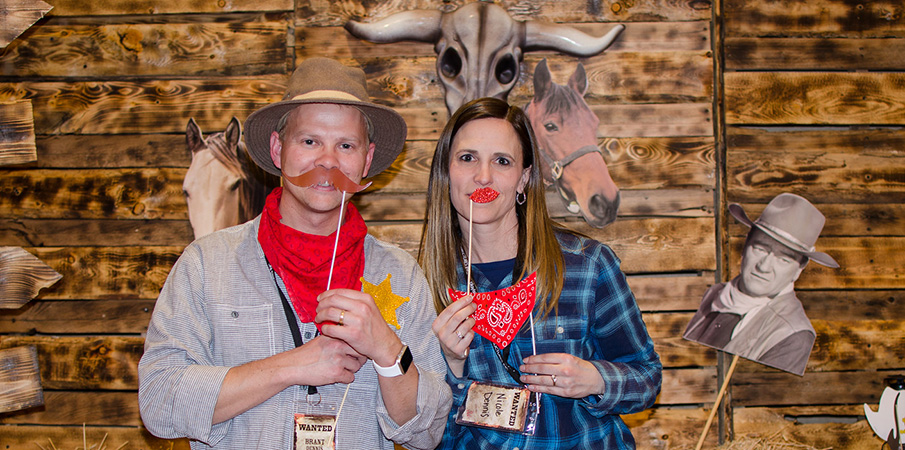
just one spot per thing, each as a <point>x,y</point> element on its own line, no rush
<point>220,308</point>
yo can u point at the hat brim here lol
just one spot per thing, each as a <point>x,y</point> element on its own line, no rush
<point>388,132</point>
<point>818,257</point>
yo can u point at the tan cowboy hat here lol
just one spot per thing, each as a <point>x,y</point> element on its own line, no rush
<point>792,221</point>
<point>323,80</point>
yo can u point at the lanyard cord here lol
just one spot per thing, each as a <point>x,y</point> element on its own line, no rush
<point>293,323</point>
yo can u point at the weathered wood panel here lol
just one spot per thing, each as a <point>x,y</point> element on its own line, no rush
<point>91,317</point>
<point>853,305</point>
<point>107,272</point>
<point>336,42</point>
<point>18,16</point>
<point>92,362</point>
<point>333,13</point>
<point>87,232</point>
<point>814,54</point>
<point>92,408</point>
<point>23,437</point>
<point>866,263</point>
<point>828,18</point>
<point>97,194</point>
<point>20,382</point>
<point>17,140</point>
<point>115,151</point>
<point>150,50</point>
<point>116,107</point>
<point>860,219</point>
<point>818,388</point>
<point>22,275</point>
<point>132,7</point>
<point>781,98</point>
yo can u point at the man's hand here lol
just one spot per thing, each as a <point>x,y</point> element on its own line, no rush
<point>353,317</point>
<point>325,360</point>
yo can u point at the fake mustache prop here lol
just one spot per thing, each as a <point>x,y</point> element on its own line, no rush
<point>332,176</point>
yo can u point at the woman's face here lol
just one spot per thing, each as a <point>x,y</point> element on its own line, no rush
<point>487,153</point>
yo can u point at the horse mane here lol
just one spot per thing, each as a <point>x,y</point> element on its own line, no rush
<point>256,183</point>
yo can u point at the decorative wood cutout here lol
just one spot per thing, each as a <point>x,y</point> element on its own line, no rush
<point>20,379</point>
<point>16,16</point>
<point>17,142</point>
<point>22,275</point>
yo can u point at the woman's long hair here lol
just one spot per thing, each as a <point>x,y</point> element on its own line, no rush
<point>442,241</point>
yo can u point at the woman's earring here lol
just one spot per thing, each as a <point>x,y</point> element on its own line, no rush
<point>521,198</point>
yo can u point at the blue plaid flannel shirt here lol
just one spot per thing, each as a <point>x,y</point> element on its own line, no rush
<point>598,321</point>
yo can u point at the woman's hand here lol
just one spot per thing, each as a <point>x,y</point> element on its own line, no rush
<point>562,374</point>
<point>453,327</point>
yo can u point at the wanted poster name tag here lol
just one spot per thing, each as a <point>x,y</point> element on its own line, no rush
<point>499,407</point>
<point>314,432</point>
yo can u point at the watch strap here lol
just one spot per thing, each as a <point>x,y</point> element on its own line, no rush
<point>403,360</point>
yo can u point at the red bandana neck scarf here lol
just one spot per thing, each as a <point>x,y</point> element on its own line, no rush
<point>501,313</point>
<point>303,260</point>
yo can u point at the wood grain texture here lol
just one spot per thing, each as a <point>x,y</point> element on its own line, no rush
<point>866,263</point>
<point>94,232</point>
<point>108,272</point>
<point>92,408</point>
<point>333,13</point>
<point>23,275</point>
<point>130,7</point>
<point>819,388</point>
<point>92,193</point>
<point>786,98</point>
<point>827,18</point>
<point>336,42</point>
<point>150,50</point>
<point>114,151</point>
<point>18,16</point>
<point>17,139</point>
<point>84,363</point>
<point>90,317</point>
<point>20,381</point>
<point>807,54</point>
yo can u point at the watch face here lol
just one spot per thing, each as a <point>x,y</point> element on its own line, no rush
<point>406,360</point>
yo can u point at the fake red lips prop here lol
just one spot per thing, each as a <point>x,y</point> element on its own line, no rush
<point>484,195</point>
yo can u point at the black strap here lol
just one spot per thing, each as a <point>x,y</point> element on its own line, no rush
<point>290,317</point>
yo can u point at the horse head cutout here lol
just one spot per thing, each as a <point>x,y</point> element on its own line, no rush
<point>222,186</point>
<point>479,46</point>
<point>566,131</point>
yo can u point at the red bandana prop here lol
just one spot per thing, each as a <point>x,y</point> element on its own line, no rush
<point>501,313</point>
<point>303,260</point>
<point>484,195</point>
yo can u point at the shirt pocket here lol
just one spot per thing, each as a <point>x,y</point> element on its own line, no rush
<point>564,334</point>
<point>242,333</point>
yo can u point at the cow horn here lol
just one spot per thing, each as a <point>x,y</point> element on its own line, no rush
<point>417,25</point>
<point>547,36</point>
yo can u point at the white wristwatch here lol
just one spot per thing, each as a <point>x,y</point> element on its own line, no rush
<point>403,361</point>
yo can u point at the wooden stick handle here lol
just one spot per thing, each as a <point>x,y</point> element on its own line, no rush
<point>716,405</point>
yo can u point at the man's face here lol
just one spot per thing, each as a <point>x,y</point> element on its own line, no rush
<point>767,266</point>
<point>326,135</point>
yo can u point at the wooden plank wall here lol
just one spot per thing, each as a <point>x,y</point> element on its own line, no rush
<point>114,83</point>
<point>815,105</point>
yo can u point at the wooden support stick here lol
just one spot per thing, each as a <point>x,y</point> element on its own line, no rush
<point>716,405</point>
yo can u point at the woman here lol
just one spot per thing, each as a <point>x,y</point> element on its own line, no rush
<point>594,357</point>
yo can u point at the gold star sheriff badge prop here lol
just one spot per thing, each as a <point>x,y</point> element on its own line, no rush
<point>387,302</point>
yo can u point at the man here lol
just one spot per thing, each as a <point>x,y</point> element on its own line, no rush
<point>757,315</point>
<point>261,336</point>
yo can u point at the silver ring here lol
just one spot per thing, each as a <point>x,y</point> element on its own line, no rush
<point>459,334</point>
<point>342,313</point>
<point>553,377</point>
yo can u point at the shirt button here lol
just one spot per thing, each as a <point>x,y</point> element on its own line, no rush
<point>460,386</point>
<point>307,335</point>
<point>235,314</point>
<point>560,330</point>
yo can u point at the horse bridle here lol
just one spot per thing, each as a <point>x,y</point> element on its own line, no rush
<point>556,167</point>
